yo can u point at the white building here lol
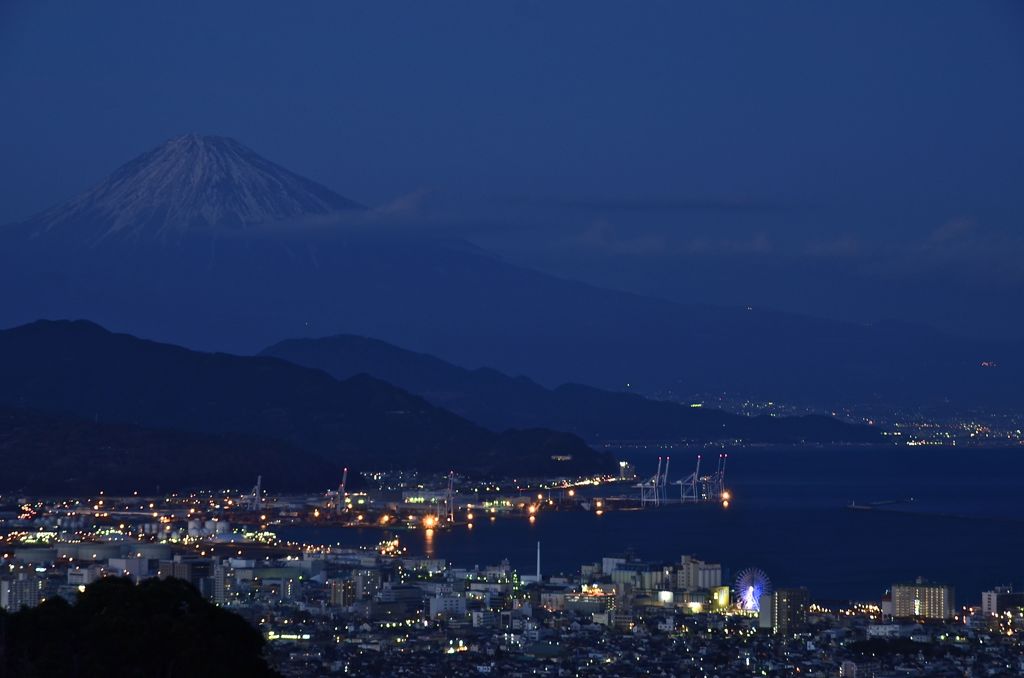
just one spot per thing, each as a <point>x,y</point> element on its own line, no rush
<point>695,574</point>
<point>83,576</point>
<point>136,568</point>
<point>21,591</point>
<point>448,605</point>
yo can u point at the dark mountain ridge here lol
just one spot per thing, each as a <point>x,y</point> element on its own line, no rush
<point>68,456</point>
<point>78,368</point>
<point>496,400</point>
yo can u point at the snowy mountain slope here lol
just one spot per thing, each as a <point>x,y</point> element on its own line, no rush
<point>190,184</point>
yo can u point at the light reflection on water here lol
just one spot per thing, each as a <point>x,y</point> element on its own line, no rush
<point>428,542</point>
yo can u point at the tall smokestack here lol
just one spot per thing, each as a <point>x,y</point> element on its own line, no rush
<point>538,562</point>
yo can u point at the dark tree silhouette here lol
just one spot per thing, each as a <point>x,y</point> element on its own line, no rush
<point>157,628</point>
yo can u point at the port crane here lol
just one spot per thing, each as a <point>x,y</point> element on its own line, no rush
<point>693,488</point>
<point>654,490</point>
<point>340,506</point>
<point>257,494</point>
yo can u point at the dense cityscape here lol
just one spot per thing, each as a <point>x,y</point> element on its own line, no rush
<point>912,426</point>
<point>381,610</point>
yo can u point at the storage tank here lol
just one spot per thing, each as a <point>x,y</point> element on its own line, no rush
<point>67,550</point>
<point>152,551</point>
<point>35,554</point>
<point>98,551</point>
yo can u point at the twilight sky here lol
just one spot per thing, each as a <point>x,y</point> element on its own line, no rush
<point>853,160</point>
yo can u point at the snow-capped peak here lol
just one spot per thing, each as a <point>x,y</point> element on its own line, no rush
<point>189,184</point>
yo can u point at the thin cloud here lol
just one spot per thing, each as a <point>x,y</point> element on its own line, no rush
<point>652,203</point>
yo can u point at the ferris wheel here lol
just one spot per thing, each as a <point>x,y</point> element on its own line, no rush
<point>751,584</point>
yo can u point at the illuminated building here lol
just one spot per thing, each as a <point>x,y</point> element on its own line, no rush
<point>424,496</point>
<point>368,583</point>
<point>720,598</point>
<point>343,592</point>
<point>20,591</point>
<point>922,600</point>
<point>222,580</point>
<point>789,611</point>
<point>192,570</point>
<point>1000,600</point>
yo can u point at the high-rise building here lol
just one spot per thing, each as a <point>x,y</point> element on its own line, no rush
<point>765,616</point>
<point>922,600</point>
<point>720,598</point>
<point>22,590</point>
<point>694,574</point>
<point>368,583</point>
<point>191,570</point>
<point>343,592</point>
<point>222,579</point>
<point>789,611</point>
<point>1001,599</point>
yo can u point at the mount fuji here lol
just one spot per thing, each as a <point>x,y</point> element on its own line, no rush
<point>188,185</point>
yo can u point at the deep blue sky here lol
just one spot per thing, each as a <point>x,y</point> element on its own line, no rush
<point>856,160</point>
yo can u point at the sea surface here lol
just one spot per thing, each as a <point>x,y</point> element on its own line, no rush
<point>789,517</point>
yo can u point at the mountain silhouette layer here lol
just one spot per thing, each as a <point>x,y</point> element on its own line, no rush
<point>79,369</point>
<point>69,456</point>
<point>496,400</point>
